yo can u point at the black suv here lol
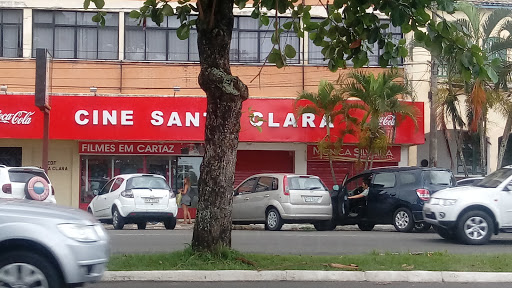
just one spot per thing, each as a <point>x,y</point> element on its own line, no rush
<point>396,196</point>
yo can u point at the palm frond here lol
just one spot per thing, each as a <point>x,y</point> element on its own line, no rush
<point>490,24</point>
<point>473,15</point>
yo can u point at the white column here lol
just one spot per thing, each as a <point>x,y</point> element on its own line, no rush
<point>27,33</point>
<point>121,35</point>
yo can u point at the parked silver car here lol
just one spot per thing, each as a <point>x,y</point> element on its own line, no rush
<point>276,199</point>
<point>50,246</point>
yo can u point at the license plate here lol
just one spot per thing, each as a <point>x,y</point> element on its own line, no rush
<point>151,200</point>
<point>310,199</point>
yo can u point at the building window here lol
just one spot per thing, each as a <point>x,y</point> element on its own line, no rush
<point>159,43</point>
<point>11,33</point>
<point>472,155</point>
<point>73,35</point>
<point>315,55</point>
<point>251,43</point>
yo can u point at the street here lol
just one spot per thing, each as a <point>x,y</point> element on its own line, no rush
<point>305,242</point>
<point>289,284</point>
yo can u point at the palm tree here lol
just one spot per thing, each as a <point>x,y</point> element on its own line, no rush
<point>485,31</point>
<point>380,98</point>
<point>332,105</point>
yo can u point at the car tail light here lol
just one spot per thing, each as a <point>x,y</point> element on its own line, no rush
<point>7,189</point>
<point>127,194</point>
<point>424,194</point>
<point>286,189</point>
<point>53,191</point>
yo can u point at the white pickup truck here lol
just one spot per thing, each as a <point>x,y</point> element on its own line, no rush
<point>471,214</point>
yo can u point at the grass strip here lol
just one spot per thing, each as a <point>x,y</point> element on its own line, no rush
<point>226,259</point>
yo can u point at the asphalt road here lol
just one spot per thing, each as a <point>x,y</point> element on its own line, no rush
<point>305,242</point>
<point>284,284</point>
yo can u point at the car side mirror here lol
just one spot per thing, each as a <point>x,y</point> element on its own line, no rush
<point>508,187</point>
<point>235,193</point>
<point>335,187</point>
<point>95,192</point>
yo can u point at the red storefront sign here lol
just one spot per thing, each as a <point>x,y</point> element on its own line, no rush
<point>141,148</point>
<point>175,119</point>
<point>351,153</point>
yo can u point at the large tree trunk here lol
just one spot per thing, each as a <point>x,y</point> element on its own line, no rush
<point>225,94</point>
<point>333,174</point>
<point>504,141</point>
<point>458,142</point>
<point>483,145</point>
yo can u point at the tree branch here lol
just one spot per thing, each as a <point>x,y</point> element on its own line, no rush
<point>200,7</point>
<point>213,13</point>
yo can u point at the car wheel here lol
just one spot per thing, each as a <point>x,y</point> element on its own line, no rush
<point>273,222</point>
<point>402,220</point>
<point>475,228</point>
<point>22,269</point>
<point>170,223</point>
<point>141,225</point>
<point>366,226</point>
<point>422,226</point>
<point>117,219</point>
<point>443,232</point>
<point>327,225</point>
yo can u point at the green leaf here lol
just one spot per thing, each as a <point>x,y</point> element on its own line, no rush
<point>337,17</point>
<point>401,41</point>
<point>275,38</point>
<point>338,4</point>
<point>255,13</point>
<point>332,66</point>
<point>183,32</point>
<point>99,4</point>
<point>402,52</point>
<point>167,10</point>
<point>446,5</point>
<point>492,74</point>
<point>374,35</point>
<point>288,25</point>
<point>312,36</point>
<point>134,14</point>
<point>466,74</point>
<point>406,28</point>
<point>289,51</point>
<point>96,18</point>
<point>102,21</point>
<point>264,20</point>
<point>86,4</point>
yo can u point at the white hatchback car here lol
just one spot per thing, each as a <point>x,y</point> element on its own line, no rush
<point>276,199</point>
<point>25,183</point>
<point>135,198</point>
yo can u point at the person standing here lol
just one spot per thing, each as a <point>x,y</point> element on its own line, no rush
<point>186,201</point>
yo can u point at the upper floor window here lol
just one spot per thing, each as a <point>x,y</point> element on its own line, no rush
<point>159,43</point>
<point>249,44</point>
<point>11,33</point>
<point>472,155</point>
<point>315,55</point>
<point>73,35</point>
<point>252,44</point>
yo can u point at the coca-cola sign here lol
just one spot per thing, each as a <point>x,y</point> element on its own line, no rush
<point>388,120</point>
<point>16,118</point>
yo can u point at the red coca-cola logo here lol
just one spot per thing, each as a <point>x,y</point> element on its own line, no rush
<point>388,120</point>
<point>18,118</point>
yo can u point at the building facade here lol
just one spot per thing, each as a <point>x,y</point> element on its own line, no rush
<point>126,100</point>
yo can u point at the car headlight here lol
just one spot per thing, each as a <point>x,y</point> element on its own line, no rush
<point>79,232</point>
<point>434,201</point>
<point>447,202</point>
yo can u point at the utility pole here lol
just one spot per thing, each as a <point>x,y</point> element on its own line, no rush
<point>432,96</point>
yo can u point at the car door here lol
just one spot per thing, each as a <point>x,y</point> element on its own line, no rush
<point>240,199</point>
<point>382,198</point>
<point>505,205</point>
<point>265,190</point>
<point>101,203</point>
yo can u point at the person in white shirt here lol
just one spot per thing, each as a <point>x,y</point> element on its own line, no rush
<point>366,189</point>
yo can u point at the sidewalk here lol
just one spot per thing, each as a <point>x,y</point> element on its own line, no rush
<point>310,276</point>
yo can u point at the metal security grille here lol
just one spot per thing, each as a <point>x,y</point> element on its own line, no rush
<point>10,156</point>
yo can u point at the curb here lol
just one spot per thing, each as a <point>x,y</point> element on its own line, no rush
<point>305,275</point>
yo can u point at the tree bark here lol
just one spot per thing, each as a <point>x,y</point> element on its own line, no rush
<point>225,94</point>
<point>483,146</point>
<point>333,174</point>
<point>504,141</point>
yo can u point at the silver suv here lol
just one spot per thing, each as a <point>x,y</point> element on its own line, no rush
<point>276,199</point>
<point>26,183</point>
<point>50,246</point>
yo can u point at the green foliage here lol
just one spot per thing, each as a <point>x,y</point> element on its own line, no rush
<point>345,34</point>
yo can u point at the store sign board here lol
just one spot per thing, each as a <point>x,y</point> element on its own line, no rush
<point>175,119</point>
<point>141,148</point>
<point>351,153</point>
<point>20,118</point>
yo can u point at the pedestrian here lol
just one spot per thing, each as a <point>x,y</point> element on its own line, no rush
<point>186,201</point>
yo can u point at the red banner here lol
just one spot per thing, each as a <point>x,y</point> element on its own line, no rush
<point>172,119</point>
<point>351,153</point>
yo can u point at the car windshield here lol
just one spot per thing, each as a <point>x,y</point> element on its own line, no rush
<point>146,182</point>
<point>23,175</point>
<point>494,179</point>
<point>435,177</point>
<point>305,183</point>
